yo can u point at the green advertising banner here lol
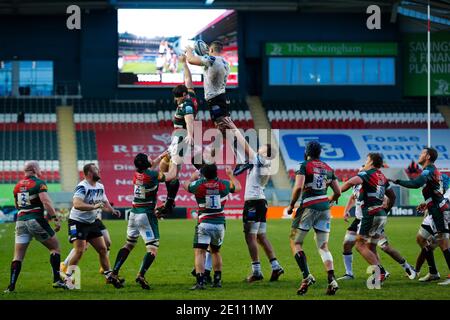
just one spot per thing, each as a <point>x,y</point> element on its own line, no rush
<point>6,192</point>
<point>331,49</point>
<point>415,64</point>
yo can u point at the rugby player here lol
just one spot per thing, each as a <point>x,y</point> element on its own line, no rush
<point>350,239</point>
<point>142,220</point>
<point>211,194</point>
<point>31,199</point>
<point>374,187</point>
<point>255,210</point>
<point>106,237</point>
<point>182,136</point>
<point>89,197</point>
<point>437,205</point>
<point>311,182</point>
<point>216,71</point>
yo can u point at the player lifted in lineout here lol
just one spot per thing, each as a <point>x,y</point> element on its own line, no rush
<point>438,209</point>
<point>374,187</point>
<point>182,136</point>
<point>211,194</point>
<point>142,220</point>
<point>255,210</point>
<point>311,182</point>
<point>216,71</point>
<point>31,199</point>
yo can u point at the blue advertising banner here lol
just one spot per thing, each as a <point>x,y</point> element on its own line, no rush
<point>347,149</point>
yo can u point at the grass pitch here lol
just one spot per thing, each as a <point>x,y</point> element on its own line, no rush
<point>170,276</point>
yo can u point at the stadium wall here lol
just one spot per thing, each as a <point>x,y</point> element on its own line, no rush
<point>42,38</point>
<point>90,55</point>
<point>293,26</point>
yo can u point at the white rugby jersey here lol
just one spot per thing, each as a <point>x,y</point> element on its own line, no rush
<point>358,209</point>
<point>257,178</point>
<point>90,195</point>
<point>216,71</point>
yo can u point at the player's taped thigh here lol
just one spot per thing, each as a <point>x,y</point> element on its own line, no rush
<point>350,237</point>
<point>152,244</point>
<point>300,236</point>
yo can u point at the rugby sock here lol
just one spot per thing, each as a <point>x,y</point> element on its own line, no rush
<point>122,255</point>
<point>330,275</point>
<point>217,276</point>
<point>172,189</point>
<point>420,259</point>
<point>16,266</point>
<point>300,257</point>
<point>208,261</point>
<point>382,270</point>
<point>429,255</point>
<point>275,264</point>
<point>146,263</point>
<point>447,257</point>
<point>69,256</point>
<point>200,278</point>
<point>348,262</point>
<point>256,267</point>
<point>55,260</point>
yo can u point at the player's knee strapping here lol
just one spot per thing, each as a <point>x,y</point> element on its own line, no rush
<point>153,244</point>
<point>383,243</point>
<point>132,241</point>
<point>349,237</point>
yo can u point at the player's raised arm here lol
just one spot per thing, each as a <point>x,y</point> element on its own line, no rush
<point>234,182</point>
<point>188,184</point>
<point>155,163</point>
<point>193,59</point>
<point>412,184</point>
<point>350,183</point>
<point>187,73</point>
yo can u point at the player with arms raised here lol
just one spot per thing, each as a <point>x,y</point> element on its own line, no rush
<point>312,181</point>
<point>211,194</point>
<point>142,220</point>
<point>216,71</point>
<point>182,136</point>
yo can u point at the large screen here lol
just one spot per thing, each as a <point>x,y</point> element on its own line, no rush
<point>151,40</point>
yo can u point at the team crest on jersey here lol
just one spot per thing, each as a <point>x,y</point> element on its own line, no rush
<point>43,187</point>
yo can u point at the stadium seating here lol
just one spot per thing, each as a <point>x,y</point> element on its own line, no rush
<point>383,116</point>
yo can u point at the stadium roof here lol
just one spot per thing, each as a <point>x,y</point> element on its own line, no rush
<point>440,8</point>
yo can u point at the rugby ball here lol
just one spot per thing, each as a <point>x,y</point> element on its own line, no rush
<point>201,48</point>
